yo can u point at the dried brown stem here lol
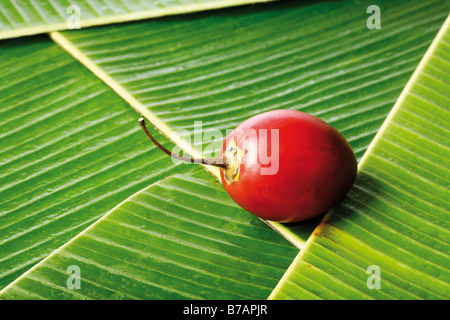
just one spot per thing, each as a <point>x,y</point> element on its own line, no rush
<point>217,162</point>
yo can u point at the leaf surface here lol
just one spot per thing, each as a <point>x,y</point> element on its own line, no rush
<point>390,238</point>
<point>70,150</point>
<point>26,17</point>
<point>195,77</point>
<point>180,238</point>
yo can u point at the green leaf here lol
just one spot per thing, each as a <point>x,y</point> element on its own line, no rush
<point>396,216</point>
<point>70,150</point>
<point>222,67</point>
<point>162,244</point>
<point>218,67</point>
<point>25,17</point>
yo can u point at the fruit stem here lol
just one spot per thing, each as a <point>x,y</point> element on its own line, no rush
<point>217,162</point>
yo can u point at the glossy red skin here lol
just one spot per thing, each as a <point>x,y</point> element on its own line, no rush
<point>317,167</point>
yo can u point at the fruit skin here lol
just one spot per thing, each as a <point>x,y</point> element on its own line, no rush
<point>316,167</point>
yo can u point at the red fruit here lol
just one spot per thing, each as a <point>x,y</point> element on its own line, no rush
<point>316,166</point>
<point>283,165</point>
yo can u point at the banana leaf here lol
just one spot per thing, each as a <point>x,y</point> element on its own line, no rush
<point>390,238</point>
<point>27,17</point>
<point>397,51</point>
<point>195,78</point>
<point>180,238</point>
<point>70,150</point>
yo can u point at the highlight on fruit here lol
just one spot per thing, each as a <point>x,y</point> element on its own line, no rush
<point>282,165</point>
